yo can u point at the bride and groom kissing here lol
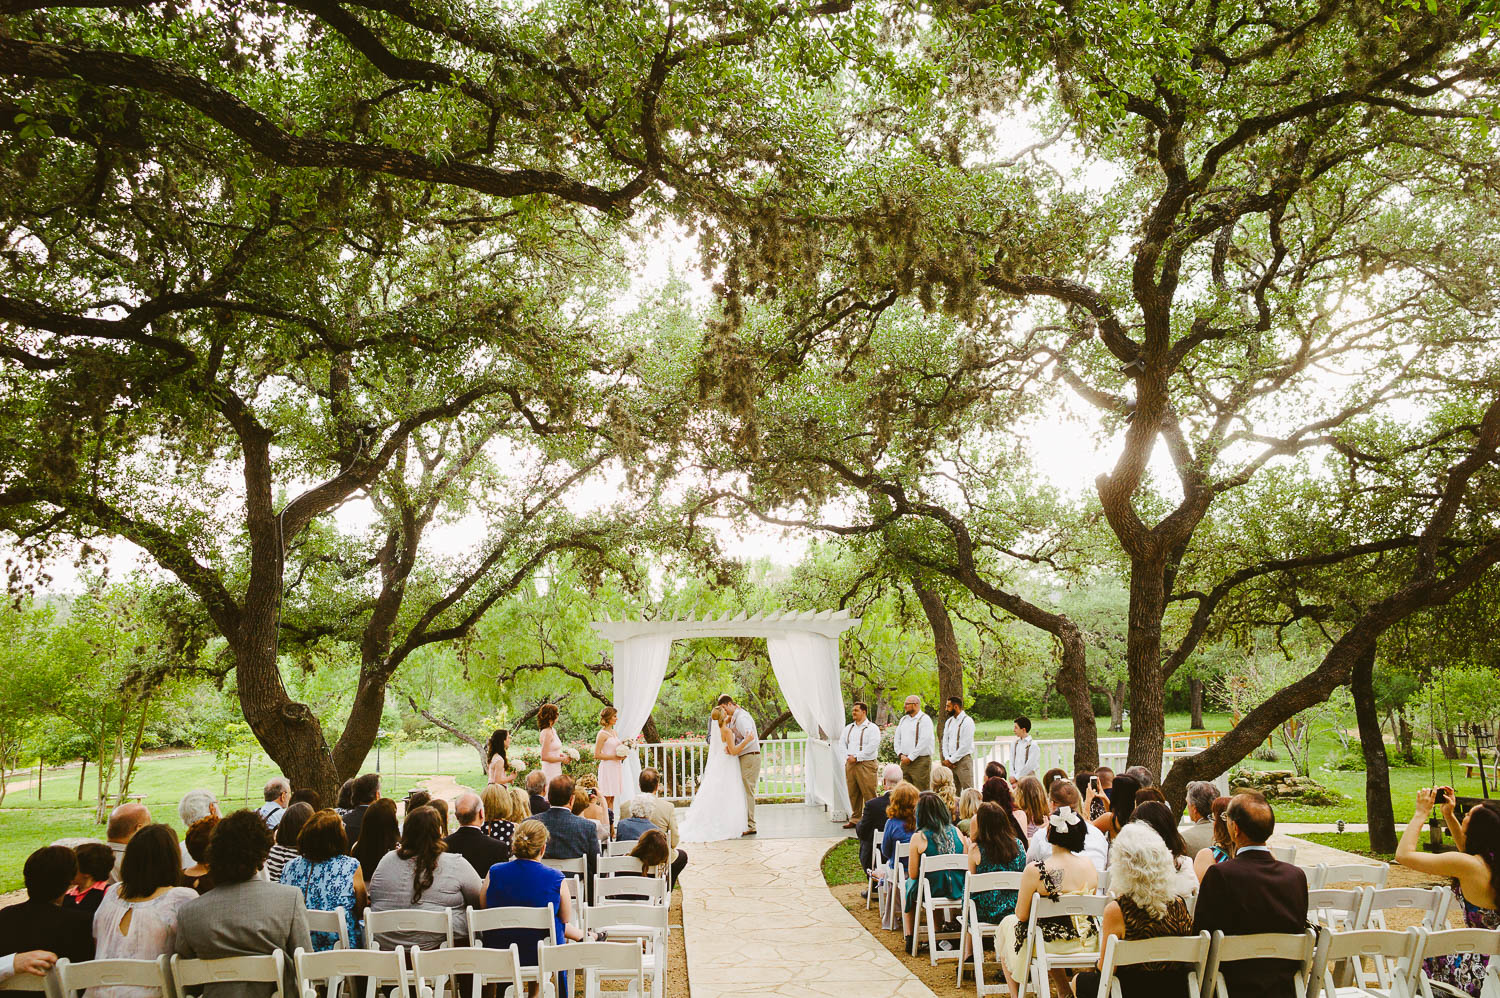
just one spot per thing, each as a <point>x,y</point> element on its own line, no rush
<point>724,806</point>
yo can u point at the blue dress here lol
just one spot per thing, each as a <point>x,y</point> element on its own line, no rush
<point>326,886</point>
<point>524,883</point>
<point>897,833</point>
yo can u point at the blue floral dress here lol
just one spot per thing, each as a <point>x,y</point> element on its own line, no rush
<point>1465,971</point>
<point>995,905</point>
<point>326,886</point>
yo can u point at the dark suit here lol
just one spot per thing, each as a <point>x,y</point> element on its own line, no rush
<point>354,821</point>
<point>243,919</point>
<point>538,804</point>
<point>871,821</point>
<point>481,850</point>
<point>1254,892</point>
<point>66,931</point>
<point>572,837</point>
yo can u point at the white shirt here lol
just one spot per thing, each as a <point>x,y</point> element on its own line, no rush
<point>1095,846</point>
<point>1024,758</point>
<point>914,736</point>
<point>743,725</point>
<point>7,966</point>
<point>861,740</point>
<point>958,737</point>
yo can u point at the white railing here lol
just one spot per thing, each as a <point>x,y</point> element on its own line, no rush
<point>1057,753</point>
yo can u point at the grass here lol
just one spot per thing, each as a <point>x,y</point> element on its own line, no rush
<point>1355,842</point>
<point>841,864</point>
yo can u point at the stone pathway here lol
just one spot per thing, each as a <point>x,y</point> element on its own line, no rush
<point>759,920</point>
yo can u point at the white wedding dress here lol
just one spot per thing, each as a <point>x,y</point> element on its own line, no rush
<point>718,808</point>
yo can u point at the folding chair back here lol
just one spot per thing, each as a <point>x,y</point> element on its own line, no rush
<point>619,847</point>
<point>1037,961</point>
<point>1103,887</point>
<point>1294,947</point>
<point>609,890</point>
<point>608,865</point>
<point>335,922</point>
<point>576,867</point>
<point>1287,854</point>
<point>1339,910</point>
<point>26,982</point>
<point>331,968</point>
<point>1485,942</point>
<point>1391,952</point>
<point>969,922</point>
<point>257,969</point>
<point>73,978</point>
<point>1192,951</point>
<point>1314,876</point>
<point>1431,901</point>
<point>645,923</point>
<point>407,920</point>
<point>543,920</point>
<point>617,961</point>
<point>433,968</point>
<point>929,904</point>
<point>1356,873</point>
<point>872,882</point>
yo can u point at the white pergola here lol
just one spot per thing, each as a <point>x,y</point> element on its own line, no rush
<point>804,650</point>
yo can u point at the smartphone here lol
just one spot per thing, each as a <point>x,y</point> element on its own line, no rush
<point>1094,782</point>
<point>1444,795</point>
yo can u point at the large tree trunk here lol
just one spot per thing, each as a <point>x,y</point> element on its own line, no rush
<point>1195,703</point>
<point>1143,655</point>
<point>1117,705</point>
<point>649,730</point>
<point>945,643</point>
<point>1382,816</point>
<point>1073,684</point>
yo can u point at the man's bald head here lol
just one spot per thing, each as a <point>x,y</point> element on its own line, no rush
<point>892,775</point>
<point>1254,819</point>
<point>469,809</point>
<point>125,821</point>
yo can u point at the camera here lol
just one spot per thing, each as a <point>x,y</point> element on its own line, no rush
<point>1444,795</point>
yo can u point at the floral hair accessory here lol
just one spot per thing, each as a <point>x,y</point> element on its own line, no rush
<point>1064,818</point>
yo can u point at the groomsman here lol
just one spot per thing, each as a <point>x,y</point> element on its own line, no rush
<point>861,744</point>
<point>958,744</point>
<point>1025,754</point>
<point>914,745</point>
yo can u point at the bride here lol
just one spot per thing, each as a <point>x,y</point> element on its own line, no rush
<point>718,808</point>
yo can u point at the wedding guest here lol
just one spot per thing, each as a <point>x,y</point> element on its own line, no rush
<point>1474,867</point>
<point>1095,843</point>
<point>42,921</point>
<point>308,796</point>
<point>1147,904</point>
<point>662,814</point>
<point>526,882</point>
<point>500,813</point>
<point>1121,806</point>
<point>1103,788</point>
<point>1052,775</point>
<point>1200,804</point>
<point>1141,775</point>
<point>994,848</point>
<point>874,817</point>
<point>913,744</point>
<point>198,836</point>
<point>635,820</point>
<point>655,855</point>
<point>610,752</point>
<point>243,915</point>
<point>568,835</point>
<point>345,802</point>
<point>96,861</point>
<point>193,807</point>
<point>1223,847</point>
<point>994,768</point>
<point>900,823</point>
<point>421,873</point>
<point>1251,893</point>
<point>1149,794</point>
<point>378,836</point>
<point>1031,801</point>
<point>415,798</point>
<point>1025,754</point>
<point>441,807</point>
<point>366,791</point>
<point>958,744</point>
<point>287,831</point>
<point>124,822</point>
<point>469,841</point>
<point>1066,870</point>
<point>998,792</point>
<point>934,836</point>
<point>586,804</point>
<point>942,785</point>
<point>138,918</point>
<point>278,794</point>
<point>1159,818</point>
<point>536,791</point>
<point>968,805</point>
<point>552,753</point>
<point>497,758</point>
<point>860,747</point>
<point>326,875</point>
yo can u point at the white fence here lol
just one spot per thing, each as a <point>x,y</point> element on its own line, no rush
<point>783,764</point>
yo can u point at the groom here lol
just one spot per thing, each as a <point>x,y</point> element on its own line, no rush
<point>744,743</point>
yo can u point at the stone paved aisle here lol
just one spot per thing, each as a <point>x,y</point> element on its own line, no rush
<point>759,920</point>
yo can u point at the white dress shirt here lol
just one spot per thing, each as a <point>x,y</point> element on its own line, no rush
<point>743,726</point>
<point>861,740</point>
<point>958,737</point>
<point>914,736</point>
<point>1024,758</point>
<point>7,966</point>
<point>1095,846</point>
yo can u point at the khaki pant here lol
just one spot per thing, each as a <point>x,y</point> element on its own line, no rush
<point>860,776</point>
<point>918,772</point>
<point>750,776</point>
<point>963,774</point>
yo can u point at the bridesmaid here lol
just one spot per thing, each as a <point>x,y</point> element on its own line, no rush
<point>552,746</point>
<point>498,767</point>
<point>609,753</point>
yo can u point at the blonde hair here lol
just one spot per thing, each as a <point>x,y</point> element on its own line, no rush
<point>520,804</point>
<point>497,803</point>
<point>718,714</point>
<point>942,785</point>
<point>587,780</point>
<point>968,803</point>
<point>1032,799</point>
<point>529,840</point>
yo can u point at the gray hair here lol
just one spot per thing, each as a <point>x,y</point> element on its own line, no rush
<point>892,774</point>
<point>1141,867</point>
<point>536,782</point>
<point>1201,796</point>
<point>195,806</point>
<point>637,807</point>
<point>276,786</point>
<point>1141,775</point>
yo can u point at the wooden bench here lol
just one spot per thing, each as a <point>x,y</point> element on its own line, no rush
<point>1472,764</point>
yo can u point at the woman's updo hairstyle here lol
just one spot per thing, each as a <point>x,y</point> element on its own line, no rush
<point>529,840</point>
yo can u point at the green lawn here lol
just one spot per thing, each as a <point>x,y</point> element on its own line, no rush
<point>841,864</point>
<point>1062,727</point>
<point>1355,842</point>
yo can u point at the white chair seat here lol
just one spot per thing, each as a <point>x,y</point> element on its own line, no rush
<point>593,962</point>
<point>432,969</point>
<point>380,969</point>
<point>1296,947</point>
<point>254,969</point>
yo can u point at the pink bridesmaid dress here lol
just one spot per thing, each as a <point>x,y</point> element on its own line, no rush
<point>551,745</point>
<point>611,771</point>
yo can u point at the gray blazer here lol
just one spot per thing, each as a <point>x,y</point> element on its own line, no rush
<point>250,918</point>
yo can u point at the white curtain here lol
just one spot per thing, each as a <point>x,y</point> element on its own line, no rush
<point>640,667</point>
<point>807,667</point>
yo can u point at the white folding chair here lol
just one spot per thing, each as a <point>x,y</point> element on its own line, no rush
<point>1314,875</point>
<point>1287,854</point>
<point>541,920</point>
<point>969,923</point>
<point>928,905</point>
<point>30,983</point>
<point>872,882</point>
<point>73,978</point>
<point>1339,910</point>
<point>571,867</point>
<point>1393,951</point>
<point>616,889</point>
<point>1189,950</point>
<point>255,969</point>
<point>1355,873</point>
<point>1432,902</point>
<point>408,920</point>
<point>1103,887</point>
<point>1293,947</point>
<point>381,970</point>
<point>646,923</point>
<point>610,865</point>
<point>1447,942</point>
<point>335,922</point>
<point>432,969</point>
<point>619,847</point>
<point>1037,962</point>
<point>591,961</point>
